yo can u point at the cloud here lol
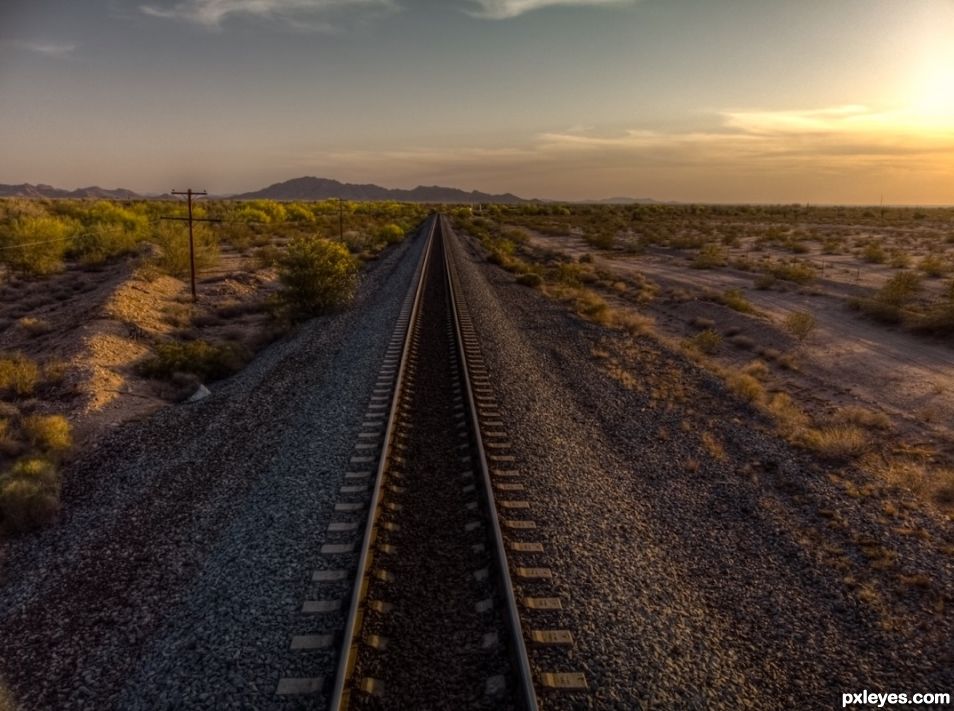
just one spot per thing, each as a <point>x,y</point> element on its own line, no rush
<point>833,154</point>
<point>298,14</point>
<point>56,50</point>
<point>505,9</point>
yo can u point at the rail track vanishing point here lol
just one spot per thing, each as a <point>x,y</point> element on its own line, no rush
<point>418,595</point>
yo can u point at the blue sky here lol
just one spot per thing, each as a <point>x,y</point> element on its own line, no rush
<point>709,100</point>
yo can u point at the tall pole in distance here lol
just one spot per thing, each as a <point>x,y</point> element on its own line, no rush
<point>189,195</point>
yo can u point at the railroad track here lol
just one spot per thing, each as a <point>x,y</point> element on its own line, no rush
<point>432,619</point>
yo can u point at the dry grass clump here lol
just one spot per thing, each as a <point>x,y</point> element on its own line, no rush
<point>708,341</point>
<point>49,433</point>
<point>745,386</point>
<point>713,447</point>
<point>862,417</point>
<point>633,323</point>
<point>836,442</point>
<point>35,326</point>
<point>29,495</point>
<point>19,375</point>
<point>936,484</point>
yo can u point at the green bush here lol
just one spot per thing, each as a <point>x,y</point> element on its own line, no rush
<point>36,245</point>
<point>317,275</point>
<point>208,361</point>
<point>173,241</point>
<point>390,234</point>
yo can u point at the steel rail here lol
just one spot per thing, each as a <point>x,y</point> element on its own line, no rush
<point>518,647</point>
<point>339,694</point>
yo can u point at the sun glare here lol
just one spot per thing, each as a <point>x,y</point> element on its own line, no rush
<point>933,99</point>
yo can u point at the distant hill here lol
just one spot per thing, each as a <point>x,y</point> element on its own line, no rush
<point>309,188</point>
<point>625,201</point>
<point>48,191</point>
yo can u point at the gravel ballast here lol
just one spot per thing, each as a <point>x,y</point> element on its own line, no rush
<point>693,579</point>
<point>176,574</point>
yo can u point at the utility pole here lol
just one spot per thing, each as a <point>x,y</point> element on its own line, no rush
<point>190,219</point>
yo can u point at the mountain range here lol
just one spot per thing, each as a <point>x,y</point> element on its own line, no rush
<point>306,188</point>
<point>310,188</point>
<point>48,191</point>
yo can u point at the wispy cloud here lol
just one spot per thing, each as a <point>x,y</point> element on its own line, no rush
<point>56,50</point>
<point>299,14</point>
<point>504,9</point>
<point>842,153</point>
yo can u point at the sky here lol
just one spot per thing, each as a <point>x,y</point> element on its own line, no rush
<point>821,101</point>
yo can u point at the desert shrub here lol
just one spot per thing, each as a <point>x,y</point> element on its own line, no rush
<point>938,321</point>
<point>29,495</point>
<point>530,279</point>
<point>899,260</point>
<point>735,300</point>
<point>209,361</point>
<point>173,241</point>
<point>600,239</point>
<point>874,253</point>
<point>317,275</point>
<point>390,234</point>
<point>50,433</point>
<point>800,324</point>
<point>764,281</point>
<point>934,266</point>
<point>101,242</point>
<point>709,257</point>
<point>19,375</point>
<point>36,245</point>
<point>887,304</point>
<point>708,341</point>
<point>899,289</point>
<point>795,271</point>
<point>267,256</point>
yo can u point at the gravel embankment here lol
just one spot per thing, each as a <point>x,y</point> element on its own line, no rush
<point>692,580</point>
<point>176,575</point>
